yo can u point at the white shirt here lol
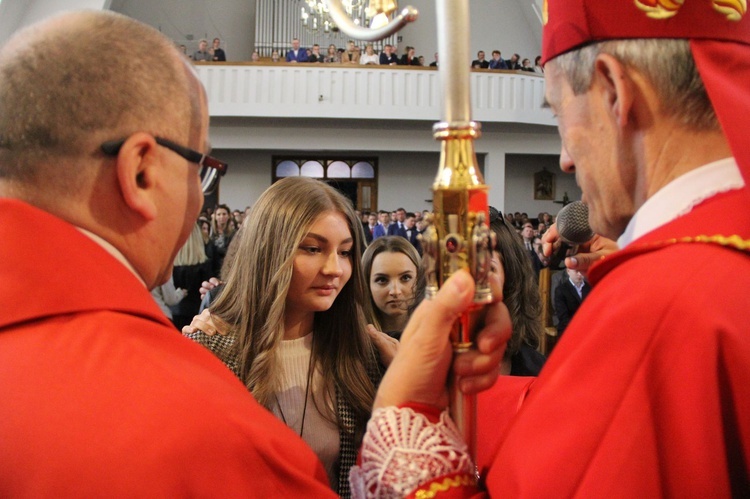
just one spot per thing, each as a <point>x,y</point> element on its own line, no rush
<point>680,196</point>
<point>579,288</point>
<point>374,59</point>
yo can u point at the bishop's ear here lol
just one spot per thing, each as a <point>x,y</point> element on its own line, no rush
<point>615,83</point>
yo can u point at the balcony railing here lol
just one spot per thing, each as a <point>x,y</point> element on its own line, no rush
<point>364,92</point>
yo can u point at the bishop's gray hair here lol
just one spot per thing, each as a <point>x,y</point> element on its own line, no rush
<point>667,63</point>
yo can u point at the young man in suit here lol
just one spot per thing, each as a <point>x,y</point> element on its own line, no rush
<point>497,61</point>
<point>397,227</point>
<point>296,54</point>
<point>381,229</point>
<point>388,57</point>
<point>370,226</point>
<point>569,295</point>
<point>217,52</point>
<point>480,62</point>
<point>411,232</point>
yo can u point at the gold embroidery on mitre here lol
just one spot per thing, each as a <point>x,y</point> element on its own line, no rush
<point>545,13</point>
<point>733,9</point>
<point>447,484</point>
<point>660,9</point>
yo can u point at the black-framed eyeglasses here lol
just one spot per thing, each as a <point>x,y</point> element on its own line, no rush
<point>112,148</point>
<point>211,168</point>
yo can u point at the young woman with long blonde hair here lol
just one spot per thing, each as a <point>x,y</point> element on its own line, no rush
<point>295,309</point>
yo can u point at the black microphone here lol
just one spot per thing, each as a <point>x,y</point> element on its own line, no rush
<point>573,227</point>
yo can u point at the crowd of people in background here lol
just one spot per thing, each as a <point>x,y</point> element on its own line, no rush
<point>392,268</point>
<point>367,55</point>
<point>380,252</point>
<point>98,388</point>
<point>364,55</point>
<point>220,224</point>
<point>204,53</point>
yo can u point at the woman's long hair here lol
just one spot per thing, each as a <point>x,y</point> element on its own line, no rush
<point>193,252</point>
<point>206,237</point>
<point>255,297</point>
<point>520,291</point>
<point>392,244</point>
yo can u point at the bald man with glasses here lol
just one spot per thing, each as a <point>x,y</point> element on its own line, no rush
<point>103,164</point>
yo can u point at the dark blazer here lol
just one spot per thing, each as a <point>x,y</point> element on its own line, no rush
<point>385,59</point>
<point>536,263</point>
<point>412,238</point>
<point>301,55</point>
<point>567,302</point>
<point>526,362</point>
<point>189,277</point>
<point>476,63</point>
<point>219,55</point>
<point>219,253</point>
<point>395,230</point>
<point>368,235</point>
<point>499,64</point>
<point>406,62</point>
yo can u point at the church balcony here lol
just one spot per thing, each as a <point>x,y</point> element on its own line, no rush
<point>326,91</point>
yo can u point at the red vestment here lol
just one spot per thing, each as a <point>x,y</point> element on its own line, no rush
<point>101,396</point>
<point>648,393</point>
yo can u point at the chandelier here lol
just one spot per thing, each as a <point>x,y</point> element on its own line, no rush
<point>315,14</point>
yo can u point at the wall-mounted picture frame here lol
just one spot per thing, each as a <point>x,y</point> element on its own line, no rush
<point>544,185</point>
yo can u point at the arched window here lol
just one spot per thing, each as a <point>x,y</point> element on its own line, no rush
<point>338,169</point>
<point>335,168</point>
<point>287,168</point>
<point>356,178</point>
<point>312,169</point>
<point>363,169</point>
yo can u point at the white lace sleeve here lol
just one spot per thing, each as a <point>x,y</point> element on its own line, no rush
<point>402,450</point>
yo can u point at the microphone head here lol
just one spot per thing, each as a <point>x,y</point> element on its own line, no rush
<point>573,223</point>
